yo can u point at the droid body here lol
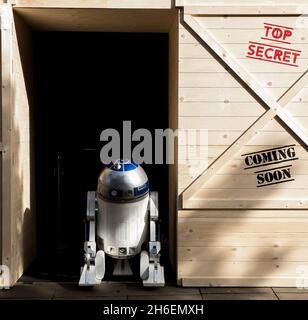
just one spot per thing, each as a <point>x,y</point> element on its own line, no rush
<point>122,216</point>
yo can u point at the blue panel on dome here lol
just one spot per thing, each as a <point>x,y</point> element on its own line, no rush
<point>130,166</point>
<point>122,165</point>
<point>142,189</point>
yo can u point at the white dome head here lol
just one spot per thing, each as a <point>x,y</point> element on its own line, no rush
<point>122,180</point>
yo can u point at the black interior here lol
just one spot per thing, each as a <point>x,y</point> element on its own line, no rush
<point>84,83</point>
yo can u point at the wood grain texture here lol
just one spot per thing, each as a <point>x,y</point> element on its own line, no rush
<point>239,281</point>
<point>6,120</point>
<point>243,8</point>
<point>23,214</point>
<point>150,4</point>
<point>97,19</point>
<point>229,243</point>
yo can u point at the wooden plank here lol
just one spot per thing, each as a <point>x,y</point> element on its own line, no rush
<point>239,296</point>
<point>236,290</point>
<point>27,291</point>
<point>241,36</point>
<point>225,80</point>
<point>237,167</point>
<point>228,123</point>
<point>290,290</point>
<point>222,137</point>
<point>211,9</point>
<point>97,20</point>
<point>6,126</point>
<point>168,290</point>
<point>252,66</point>
<point>229,109</point>
<point>195,155</point>
<point>206,80</point>
<point>249,23</point>
<point>243,181</point>
<point>229,35</point>
<point>293,296</point>
<point>149,4</point>
<point>228,94</point>
<point>249,240</point>
<point>24,232</point>
<point>214,94</point>
<point>212,123</point>
<point>190,214</point>
<point>173,124</point>
<point>245,219</point>
<point>236,281</point>
<point>233,123</point>
<point>18,221</point>
<point>195,50</point>
<point>256,254</point>
<point>198,228</point>
<point>60,3</point>
<point>246,204</point>
<point>234,109</point>
<point>241,184</point>
<point>237,269</point>
<point>199,153</point>
<point>226,137</point>
<point>237,50</point>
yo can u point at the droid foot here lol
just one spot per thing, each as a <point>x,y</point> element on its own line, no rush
<point>88,276</point>
<point>156,276</point>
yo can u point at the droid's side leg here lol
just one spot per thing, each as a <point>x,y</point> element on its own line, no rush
<point>151,272</point>
<point>93,270</point>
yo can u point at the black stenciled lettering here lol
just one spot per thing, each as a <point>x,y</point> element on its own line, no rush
<point>269,156</point>
<point>260,178</point>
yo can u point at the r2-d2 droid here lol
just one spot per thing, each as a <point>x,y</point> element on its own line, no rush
<point>122,216</point>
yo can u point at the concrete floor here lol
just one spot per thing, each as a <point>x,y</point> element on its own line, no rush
<point>133,291</point>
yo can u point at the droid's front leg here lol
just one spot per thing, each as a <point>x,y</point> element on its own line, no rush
<point>151,272</point>
<point>93,270</point>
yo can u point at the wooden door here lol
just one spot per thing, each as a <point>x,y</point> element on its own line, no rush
<point>243,77</point>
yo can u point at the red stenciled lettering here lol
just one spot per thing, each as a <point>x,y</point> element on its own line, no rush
<point>286,56</point>
<point>251,49</point>
<point>259,51</point>
<point>277,33</point>
<point>267,29</point>
<point>274,52</point>
<point>295,56</point>
<point>287,33</point>
<point>277,55</point>
<point>266,53</point>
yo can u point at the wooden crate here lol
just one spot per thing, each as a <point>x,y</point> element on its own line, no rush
<point>226,229</point>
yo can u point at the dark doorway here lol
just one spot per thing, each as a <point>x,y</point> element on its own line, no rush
<point>84,83</point>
